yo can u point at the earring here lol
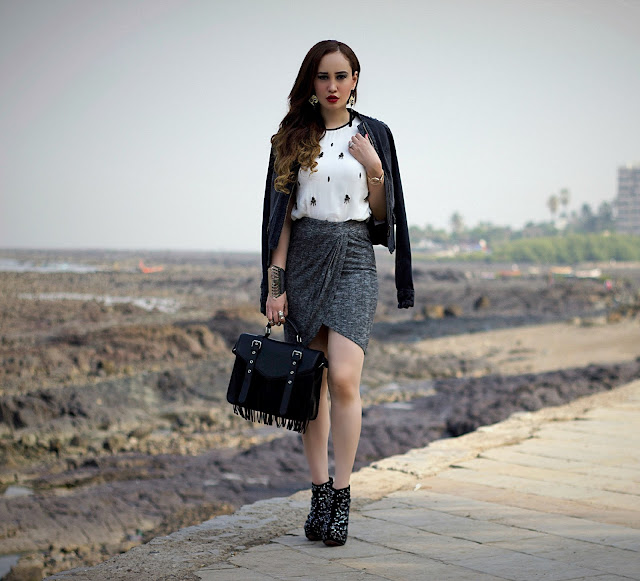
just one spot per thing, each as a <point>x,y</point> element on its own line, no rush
<point>313,100</point>
<point>352,99</point>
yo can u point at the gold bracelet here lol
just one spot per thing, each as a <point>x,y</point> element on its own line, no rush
<point>376,181</point>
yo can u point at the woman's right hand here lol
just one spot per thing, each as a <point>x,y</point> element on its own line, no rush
<point>275,306</point>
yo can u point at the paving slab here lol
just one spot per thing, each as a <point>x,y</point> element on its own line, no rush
<point>553,475</point>
<point>461,527</point>
<point>521,567</point>
<point>355,548</point>
<point>548,489</point>
<point>551,495</point>
<point>603,578</point>
<point>588,425</point>
<point>576,450</point>
<point>524,500</point>
<point>513,456</point>
<point>575,552</point>
<point>408,567</point>
<point>280,561</point>
<point>620,439</point>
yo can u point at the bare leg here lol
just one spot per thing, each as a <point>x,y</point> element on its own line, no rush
<point>316,437</point>
<point>345,368</point>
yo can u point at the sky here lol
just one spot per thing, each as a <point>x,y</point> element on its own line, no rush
<point>145,124</point>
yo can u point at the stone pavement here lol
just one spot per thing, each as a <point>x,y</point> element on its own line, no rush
<point>561,502</point>
<point>550,495</point>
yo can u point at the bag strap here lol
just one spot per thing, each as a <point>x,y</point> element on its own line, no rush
<point>256,345</point>
<point>267,329</point>
<point>296,358</point>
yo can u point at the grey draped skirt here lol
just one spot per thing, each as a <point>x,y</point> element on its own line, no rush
<point>331,280</point>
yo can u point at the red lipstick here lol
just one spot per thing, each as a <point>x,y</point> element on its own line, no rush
<point>332,99</point>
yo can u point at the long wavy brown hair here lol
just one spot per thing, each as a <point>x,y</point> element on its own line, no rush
<point>296,143</point>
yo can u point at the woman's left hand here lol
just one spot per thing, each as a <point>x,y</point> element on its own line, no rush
<point>360,147</point>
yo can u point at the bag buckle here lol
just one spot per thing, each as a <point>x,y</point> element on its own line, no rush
<point>296,352</point>
<point>256,343</point>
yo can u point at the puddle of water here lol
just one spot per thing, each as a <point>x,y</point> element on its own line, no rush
<point>263,480</point>
<point>6,562</point>
<point>13,265</point>
<point>398,405</point>
<point>13,490</point>
<point>163,305</point>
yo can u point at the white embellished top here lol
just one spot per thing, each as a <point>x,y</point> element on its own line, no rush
<point>338,190</point>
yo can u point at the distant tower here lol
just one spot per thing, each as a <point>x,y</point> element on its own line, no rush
<point>627,203</point>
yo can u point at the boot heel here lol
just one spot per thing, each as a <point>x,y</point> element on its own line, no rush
<point>335,533</point>
<point>321,496</point>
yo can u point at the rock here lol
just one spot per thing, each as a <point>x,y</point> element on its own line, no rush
<point>27,569</point>
<point>104,367</point>
<point>86,553</point>
<point>80,441</point>
<point>82,361</point>
<point>187,343</point>
<point>482,302</point>
<point>56,444</point>
<point>29,440</point>
<point>453,310</point>
<point>128,545</point>
<point>593,321</point>
<point>104,423</point>
<point>172,384</point>
<point>212,342</point>
<point>141,432</point>
<point>115,442</point>
<point>434,311</point>
<point>614,317</point>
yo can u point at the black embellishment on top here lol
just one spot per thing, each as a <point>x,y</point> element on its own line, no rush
<point>313,201</point>
<point>328,178</point>
<point>321,154</point>
<point>360,175</point>
<point>341,155</point>
<point>347,199</point>
<point>332,145</point>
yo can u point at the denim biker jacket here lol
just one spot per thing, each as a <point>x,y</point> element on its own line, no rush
<point>393,232</point>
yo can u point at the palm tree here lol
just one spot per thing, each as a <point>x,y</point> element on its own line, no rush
<point>552,204</point>
<point>564,196</point>
<point>457,223</point>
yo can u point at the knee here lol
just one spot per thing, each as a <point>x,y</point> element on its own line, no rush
<point>343,388</point>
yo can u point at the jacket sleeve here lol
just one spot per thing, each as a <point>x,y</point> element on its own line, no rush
<point>266,252</point>
<point>404,276</point>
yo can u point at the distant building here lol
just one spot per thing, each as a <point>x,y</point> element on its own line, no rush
<point>627,203</point>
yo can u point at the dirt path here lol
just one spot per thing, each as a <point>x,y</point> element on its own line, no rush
<point>543,347</point>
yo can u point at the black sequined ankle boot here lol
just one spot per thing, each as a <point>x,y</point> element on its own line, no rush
<point>321,496</point>
<point>335,533</point>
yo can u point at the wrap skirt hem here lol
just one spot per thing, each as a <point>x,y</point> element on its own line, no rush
<point>331,280</point>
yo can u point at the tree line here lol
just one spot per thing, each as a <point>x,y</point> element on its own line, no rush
<point>570,236</point>
<point>570,249</point>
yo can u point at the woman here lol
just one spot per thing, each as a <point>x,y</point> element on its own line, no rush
<point>333,189</point>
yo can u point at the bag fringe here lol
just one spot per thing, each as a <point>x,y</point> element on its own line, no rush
<point>269,419</point>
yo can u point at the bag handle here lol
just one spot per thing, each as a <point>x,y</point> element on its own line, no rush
<point>267,329</point>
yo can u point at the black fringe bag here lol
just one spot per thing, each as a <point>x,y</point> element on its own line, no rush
<point>276,382</point>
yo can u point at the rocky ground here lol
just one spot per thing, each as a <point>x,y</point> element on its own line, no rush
<point>113,421</point>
